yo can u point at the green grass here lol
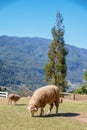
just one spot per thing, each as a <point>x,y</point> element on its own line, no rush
<point>16,117</point>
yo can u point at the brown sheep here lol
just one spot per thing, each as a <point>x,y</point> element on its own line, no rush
<point>45,95</point>
<point>12,98</point>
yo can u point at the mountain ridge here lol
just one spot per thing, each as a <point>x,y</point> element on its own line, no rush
<point>22,61</point>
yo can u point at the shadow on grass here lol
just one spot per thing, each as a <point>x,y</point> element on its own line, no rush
<point>60,115</point>
<point>20,104</point>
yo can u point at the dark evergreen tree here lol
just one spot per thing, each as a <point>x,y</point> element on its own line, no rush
<point>55,68</point>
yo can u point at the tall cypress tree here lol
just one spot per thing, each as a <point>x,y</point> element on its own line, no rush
<point>55,68</point>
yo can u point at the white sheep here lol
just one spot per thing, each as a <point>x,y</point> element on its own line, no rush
<point>45,95</point>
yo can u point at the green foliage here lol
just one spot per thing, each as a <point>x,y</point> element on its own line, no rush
<point>81,90</point>
<point>85,75</point>
<point>55,69</point>
<point>25,92</point>
<point>3,89</point>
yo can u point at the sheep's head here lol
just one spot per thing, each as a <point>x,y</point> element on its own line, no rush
<point>32,110</point>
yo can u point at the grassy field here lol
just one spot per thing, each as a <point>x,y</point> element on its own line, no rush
<point>72,116</point>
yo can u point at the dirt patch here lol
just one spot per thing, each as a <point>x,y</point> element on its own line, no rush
<point>82,117</point>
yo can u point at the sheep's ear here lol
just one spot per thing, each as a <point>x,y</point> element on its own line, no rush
<point>32,108</point>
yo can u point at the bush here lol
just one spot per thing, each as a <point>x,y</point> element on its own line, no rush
<point>81,90</point>
<point>25,92</point>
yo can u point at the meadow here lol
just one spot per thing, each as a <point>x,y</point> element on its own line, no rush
<point>72,116</point>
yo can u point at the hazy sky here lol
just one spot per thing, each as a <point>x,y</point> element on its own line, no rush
<point>35,18</point>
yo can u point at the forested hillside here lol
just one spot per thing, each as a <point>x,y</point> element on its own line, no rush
<point>22,61</point>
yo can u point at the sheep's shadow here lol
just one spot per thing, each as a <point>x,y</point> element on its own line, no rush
<point>20,104</point>
<point>60,115</point>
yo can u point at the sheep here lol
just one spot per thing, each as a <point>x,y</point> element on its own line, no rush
<point>45,95</point>
<point>12,98</point>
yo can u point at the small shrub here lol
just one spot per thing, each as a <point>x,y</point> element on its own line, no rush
<point>81,90</point>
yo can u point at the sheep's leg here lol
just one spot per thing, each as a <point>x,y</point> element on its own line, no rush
<point>51,106</point>
<point>14,102</point>
<point>42,112</point>
<point>8,101</point>
<point>57,105</point>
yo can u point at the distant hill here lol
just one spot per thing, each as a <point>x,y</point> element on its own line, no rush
<point>22,60</point>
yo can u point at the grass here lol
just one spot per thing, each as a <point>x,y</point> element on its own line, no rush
<point>16,117</point>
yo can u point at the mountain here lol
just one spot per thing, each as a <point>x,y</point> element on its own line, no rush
<point>22,61</point>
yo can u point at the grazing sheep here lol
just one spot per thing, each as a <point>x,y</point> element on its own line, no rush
<point>12,98</point>
<point>45,95</point>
